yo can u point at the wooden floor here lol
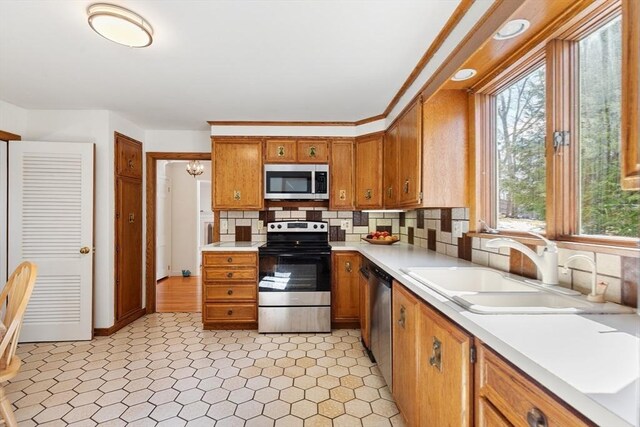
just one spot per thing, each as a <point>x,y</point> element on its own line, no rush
<point>178,293</point>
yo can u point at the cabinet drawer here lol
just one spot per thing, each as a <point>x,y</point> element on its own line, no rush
<point>516,397</point>
<point>225,274</point>
<point>281,151</point>
<point>230,292</point>
<point>230,312</point>
<point>244,259</point>
<point>313,151</point>
<point>128,158</point>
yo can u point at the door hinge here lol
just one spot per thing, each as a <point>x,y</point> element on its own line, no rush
<point>117,248</point>
<point>560,139</point>
<point>472,354</point>
<point>117,216</point>
<point>420,196</point>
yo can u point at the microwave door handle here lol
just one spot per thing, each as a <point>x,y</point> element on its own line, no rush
<point>313,181</point>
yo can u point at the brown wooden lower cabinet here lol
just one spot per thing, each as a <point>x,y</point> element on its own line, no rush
<point>503,394</point>
<point>229,290</point>
<point>345,292</point>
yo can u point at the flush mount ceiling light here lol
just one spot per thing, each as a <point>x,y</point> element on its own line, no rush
<point>512,29</point>
<point>120,25</point>
<point>464,74</point>
<point>195,168</point>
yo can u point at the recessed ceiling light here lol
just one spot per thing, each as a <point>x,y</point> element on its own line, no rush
<point>120,25</point>
<point>512,29</point>
<point>464,74</point>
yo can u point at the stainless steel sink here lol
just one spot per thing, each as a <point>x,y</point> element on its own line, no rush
<point>486,291</point>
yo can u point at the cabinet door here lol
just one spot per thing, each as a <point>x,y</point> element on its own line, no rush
<point>128,157</point>
<point>391,158</point>
<point>410,158</point>
<point>341,180</point>
<point>365,311</point>
<point>313,151</point>
<point>128,247</point>
<point>281,151</point>
<point>445,124</point>
<point>489,416</point>
<point>369,172</point>
<point>237,174</point>
<point>345,292</point>
<point>444,382</point>
<point>405,310</point>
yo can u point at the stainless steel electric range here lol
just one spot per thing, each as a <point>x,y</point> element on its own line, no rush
<point>295,278</point>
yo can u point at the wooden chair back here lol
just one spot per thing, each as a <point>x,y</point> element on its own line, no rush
<point>14,299</point>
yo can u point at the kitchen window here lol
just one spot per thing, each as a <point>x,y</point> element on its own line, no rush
<point>550,138</point>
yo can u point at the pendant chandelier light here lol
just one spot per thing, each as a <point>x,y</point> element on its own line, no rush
<point>120,25</point>
<point>195,168</point>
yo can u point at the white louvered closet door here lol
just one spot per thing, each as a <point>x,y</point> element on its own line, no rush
<point>51,224</point>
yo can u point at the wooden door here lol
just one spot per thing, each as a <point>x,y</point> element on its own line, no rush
<point>369,172</point>
<point>445,146</point>
<point>313,151</point>
<point>390,159</point>
<point>281,151</point>
<point>128,247</point>
<point>410,159</point>
<point>445,372</point>
<point>365,311</point>
<point>237,174</point>
<point>50,222</point>
<point>405,310</point>
<point>345,295</point>
<point>341,180</point>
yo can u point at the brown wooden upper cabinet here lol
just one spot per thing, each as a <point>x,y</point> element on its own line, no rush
<point>281,151</point>
<point>128,157</point>
<point>410,157</point>
<point>341,176</point>
<point>391,159</point>
<point>369,171</point>
<point>313,151</point>
<point>237,174</point>
<point>445,149</point>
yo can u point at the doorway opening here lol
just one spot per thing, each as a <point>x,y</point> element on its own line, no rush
<point>179,223</point>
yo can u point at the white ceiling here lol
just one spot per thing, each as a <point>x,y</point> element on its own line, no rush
<point>218,60</point>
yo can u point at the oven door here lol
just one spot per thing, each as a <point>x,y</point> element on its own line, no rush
<point>294,271</point>
<point>289,182</point>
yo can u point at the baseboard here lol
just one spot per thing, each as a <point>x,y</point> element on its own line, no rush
<point>105,332</point>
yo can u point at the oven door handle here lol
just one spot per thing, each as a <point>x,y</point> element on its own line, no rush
<point>290,255</point>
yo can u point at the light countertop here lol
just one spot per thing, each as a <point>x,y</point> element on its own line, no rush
<point>592,362</point>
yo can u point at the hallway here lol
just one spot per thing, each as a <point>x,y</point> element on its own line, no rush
<point>179,294</point>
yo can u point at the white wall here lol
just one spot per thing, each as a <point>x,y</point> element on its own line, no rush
<point>13,118</point>
<point>185,217</point>
<point>187,141</point>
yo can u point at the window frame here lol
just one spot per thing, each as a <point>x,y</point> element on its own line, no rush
<point>560,55</point>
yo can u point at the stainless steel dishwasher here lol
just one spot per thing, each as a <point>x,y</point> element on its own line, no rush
<point>380,292</point>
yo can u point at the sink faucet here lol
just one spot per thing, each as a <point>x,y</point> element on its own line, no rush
<point>597,289</point>
<point>547,263</point>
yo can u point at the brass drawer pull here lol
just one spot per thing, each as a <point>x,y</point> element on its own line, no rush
<point>347,267</point>
<point>229,259</point>
<point>281,151</point>
<point>230,292</point>
<point>368,194</point>
<point>229,313</point>
<point>229,275</point>
<point>312,151</point>
<point>436,356</point>
<point>406,186</point>
<point>403,316</point>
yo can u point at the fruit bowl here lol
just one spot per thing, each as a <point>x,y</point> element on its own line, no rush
<point>380,242</point>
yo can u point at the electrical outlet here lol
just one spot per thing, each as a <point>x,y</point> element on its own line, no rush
<point>456,231</point>
<point>345,225</point>
<point>224,225</point>
<point>260,225</point>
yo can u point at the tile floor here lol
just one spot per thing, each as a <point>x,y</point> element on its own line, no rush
<point>164,370</point>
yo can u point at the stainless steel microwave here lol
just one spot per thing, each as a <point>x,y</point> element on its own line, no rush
<point>282,181</point>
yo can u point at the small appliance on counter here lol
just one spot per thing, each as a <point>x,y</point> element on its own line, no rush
<point>294,293</point>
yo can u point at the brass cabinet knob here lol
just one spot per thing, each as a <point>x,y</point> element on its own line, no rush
<point>368,194</point>
<point>84,250</point>
<point>281,151</point>
<point>312,151</point>
<point>347,267</point>
<point>536,418</point>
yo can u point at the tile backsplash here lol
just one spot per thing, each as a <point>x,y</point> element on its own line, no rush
<point>434,229</point>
